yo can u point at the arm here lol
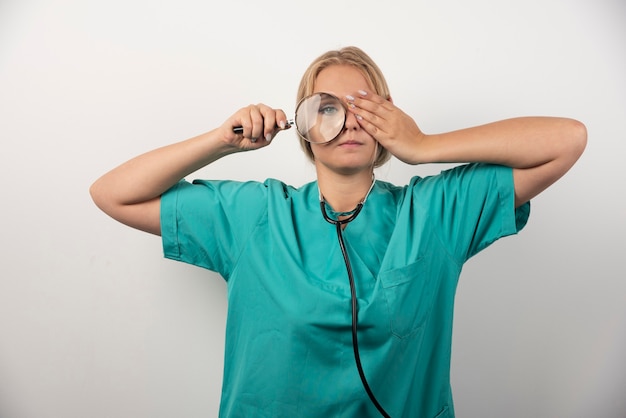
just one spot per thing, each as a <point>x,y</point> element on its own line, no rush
<point>539,149</point>
<point>131,193</point>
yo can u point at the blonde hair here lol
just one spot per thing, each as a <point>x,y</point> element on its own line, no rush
<point>353,57</point>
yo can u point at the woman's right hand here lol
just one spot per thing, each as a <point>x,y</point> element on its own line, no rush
<point>259,123</point>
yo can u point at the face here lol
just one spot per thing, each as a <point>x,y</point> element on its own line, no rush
<point>354,149</point>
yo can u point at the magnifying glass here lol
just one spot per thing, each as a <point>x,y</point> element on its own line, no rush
<point>320,118</point>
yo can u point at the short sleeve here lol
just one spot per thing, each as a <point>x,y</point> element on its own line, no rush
<point>207,223</point>
<point>476,203</point>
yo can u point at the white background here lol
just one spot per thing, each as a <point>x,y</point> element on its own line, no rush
<point>94,323</point>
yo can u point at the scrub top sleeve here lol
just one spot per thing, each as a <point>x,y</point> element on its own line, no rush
<point>208,223</point>
<point>478,208</point>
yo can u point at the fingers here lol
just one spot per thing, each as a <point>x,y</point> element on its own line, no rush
<point>261,122</point>
<point>371,110</point>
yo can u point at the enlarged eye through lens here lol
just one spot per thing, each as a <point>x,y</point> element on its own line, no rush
<point>320,118</point>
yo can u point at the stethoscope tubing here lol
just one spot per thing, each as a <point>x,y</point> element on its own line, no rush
<point>355,308</point>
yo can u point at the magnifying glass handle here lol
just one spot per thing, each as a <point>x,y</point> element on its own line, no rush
<point>239,129</point>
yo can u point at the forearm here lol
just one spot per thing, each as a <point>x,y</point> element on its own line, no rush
<point>149,175</point>
<point>517,143</point>
<point>540,149</point>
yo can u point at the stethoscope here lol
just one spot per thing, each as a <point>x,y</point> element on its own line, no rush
<point>339,223</point>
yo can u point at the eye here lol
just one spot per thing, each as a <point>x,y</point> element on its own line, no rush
<point>328,110</point>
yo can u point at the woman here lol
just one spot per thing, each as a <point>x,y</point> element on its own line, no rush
<point>342,319</point>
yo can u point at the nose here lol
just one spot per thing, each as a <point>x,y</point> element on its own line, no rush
<point>351,122</point>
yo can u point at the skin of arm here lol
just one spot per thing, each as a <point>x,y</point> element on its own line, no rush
<point>131,192</point>
<point>539,149</point>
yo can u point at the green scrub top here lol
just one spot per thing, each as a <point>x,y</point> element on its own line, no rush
<point>288,336</point>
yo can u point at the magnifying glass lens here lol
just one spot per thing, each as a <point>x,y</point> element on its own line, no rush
<point>320,118</point>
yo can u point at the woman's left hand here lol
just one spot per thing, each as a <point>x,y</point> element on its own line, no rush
<point>387,124</point>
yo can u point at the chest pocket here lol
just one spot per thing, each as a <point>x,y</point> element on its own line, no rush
<point>409,292</point>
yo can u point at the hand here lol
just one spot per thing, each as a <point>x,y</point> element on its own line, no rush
<point>259,124</point>
<point>387,124</point>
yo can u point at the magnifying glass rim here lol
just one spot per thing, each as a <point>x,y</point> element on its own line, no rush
<point>345,116</point>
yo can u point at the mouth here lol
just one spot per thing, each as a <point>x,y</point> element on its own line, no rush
<point>350,143</point>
